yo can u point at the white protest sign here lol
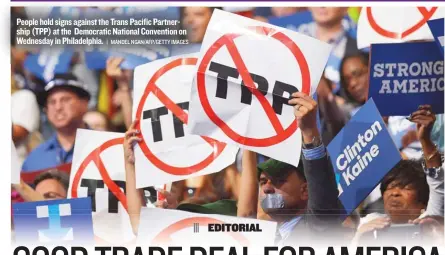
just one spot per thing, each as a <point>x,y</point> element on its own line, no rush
<point>239,54</point>
<point>395,24</point>
<point>98,171</point>
<point>181,228</point>
<point>15,165</point>
<point>168,152</point>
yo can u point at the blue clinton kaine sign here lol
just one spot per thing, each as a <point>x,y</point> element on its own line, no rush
<point>362,154</point>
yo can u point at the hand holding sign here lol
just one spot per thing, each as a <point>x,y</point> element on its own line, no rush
<point>130,141</point>
<point>375,224</point>
<point>306,114</point>
<point>424,118</point>
<point>169,202</point>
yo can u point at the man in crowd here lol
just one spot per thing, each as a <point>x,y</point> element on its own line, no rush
<point>408,190</point>
<point>195,20</point>
<point>66,101</point>
<point>328,27</point>
<point>303,200</point>
<point>52,184</point>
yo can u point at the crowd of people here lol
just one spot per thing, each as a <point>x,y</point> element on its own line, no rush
<point>303,199</point>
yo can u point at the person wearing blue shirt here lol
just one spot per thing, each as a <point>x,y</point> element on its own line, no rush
<point>66,101</point>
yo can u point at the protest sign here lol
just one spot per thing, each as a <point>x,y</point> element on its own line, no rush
<point>49,61</point>
<point>437,28</point>
<point>243,101</point>
<point>61,222</point>
<point>15,165</point>
<point>98,171</point>
<point>161,101</point>
<point>362,154</point>
<point>406,75</point>
<point>395,24</point>
<point>175,227</point>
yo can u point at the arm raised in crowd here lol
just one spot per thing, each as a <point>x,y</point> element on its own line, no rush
<point>248,190</point>
<point>121,96</point>
<point>334,118</point>
<point>27,193</point>
<point>322,187</point>
<point>425,118</point>
<point>135,199</point>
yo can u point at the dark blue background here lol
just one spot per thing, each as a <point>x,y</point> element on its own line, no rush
<point>404,104</point>
<point>437,27</point>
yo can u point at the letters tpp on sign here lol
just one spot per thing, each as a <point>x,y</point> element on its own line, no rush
<point>168,153</point>
<point>98,172</point>
<point>235,92</point>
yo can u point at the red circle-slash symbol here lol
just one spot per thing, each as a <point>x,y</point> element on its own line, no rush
<point>228,41</point>
<point>427,14</point>
<point>164,237</point>
<point>94,157</point>
<point>151,87</point>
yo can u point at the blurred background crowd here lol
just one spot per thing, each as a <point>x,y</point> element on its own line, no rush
<point>44,128</point>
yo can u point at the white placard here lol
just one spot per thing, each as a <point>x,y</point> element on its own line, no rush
<point>168,152</point>
<point>395,24</point>
<point>237,51</point>
<point>98,171</point>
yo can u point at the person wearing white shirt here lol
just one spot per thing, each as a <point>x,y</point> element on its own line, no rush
<point>25,120</point>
